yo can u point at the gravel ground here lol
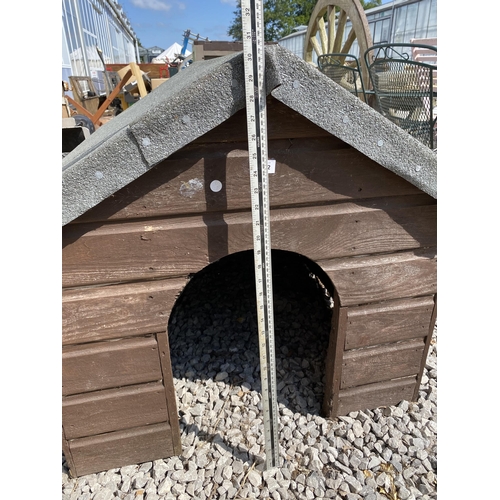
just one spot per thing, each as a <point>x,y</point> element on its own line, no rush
<point>386,453</point>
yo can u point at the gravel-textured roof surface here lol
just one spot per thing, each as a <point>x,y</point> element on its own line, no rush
<point>215,360</point>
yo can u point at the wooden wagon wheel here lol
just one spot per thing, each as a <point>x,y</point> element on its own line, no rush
<point>331,37</point>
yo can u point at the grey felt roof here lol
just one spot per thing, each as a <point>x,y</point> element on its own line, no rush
<point>206,94</point>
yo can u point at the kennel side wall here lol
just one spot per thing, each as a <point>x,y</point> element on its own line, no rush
<point>126,260</point>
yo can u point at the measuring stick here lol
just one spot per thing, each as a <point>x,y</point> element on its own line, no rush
<point>255,89</point>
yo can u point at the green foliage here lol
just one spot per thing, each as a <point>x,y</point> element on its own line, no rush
<point>236,29</point>
<point>282,16</point>
<point>370,4</point>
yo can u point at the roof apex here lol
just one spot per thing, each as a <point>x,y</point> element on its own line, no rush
<point>206,94</point>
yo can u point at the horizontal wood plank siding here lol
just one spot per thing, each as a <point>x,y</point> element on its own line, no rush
<point>391,321</point>
<point>114,409</point>
<point>114,363</point>
<point>94,314</point>
<point>383,277</point>
<point>376,364</point>
<point>376,395</point>
<point>179,246</point>
<point>182,186</point>
<point>120,448</point>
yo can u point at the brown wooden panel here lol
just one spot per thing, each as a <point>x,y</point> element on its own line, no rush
<point>67,454</point>
<point>333,362</point>
<point>353,229</point>
<point>376,364</point>
<point>104,313</point>
<point>430,331</point>
<point>372,279</point>
<point>168,382</point>
<point>209,46</point>
<point>303,176</point>
<point>114,363</point>
<point>114,409</point>
<point>214,149</point>
<point>121,448</point>
<point>388,322</point>
<point>282,123</point>
<point>173,247</point>
<point>375,395</point>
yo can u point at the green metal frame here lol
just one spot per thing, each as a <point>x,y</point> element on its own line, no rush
<point>343,69</point>
<point>405,89</point>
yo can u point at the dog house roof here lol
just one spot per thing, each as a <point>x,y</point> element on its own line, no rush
<point>209,92</point>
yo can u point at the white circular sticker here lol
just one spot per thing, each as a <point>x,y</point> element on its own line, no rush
<point>216,186</point>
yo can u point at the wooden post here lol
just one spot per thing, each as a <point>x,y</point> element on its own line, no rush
<point>426,350</point>
<point>96,117</point>
<point>140,82</point>
<point>334,356</point>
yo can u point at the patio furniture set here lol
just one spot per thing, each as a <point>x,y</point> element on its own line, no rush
<point>402,83</point>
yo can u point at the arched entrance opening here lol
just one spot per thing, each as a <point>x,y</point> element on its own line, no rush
<point>214,350</point>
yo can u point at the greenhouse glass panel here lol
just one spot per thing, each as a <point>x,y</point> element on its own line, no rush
<point>66,61</point>
<point>422,19</point>
<point>91,14</point>
<point>385,30</point>
<point>432,27</point>
<point>69,27</point>
<point>399,24</point>
<point>373,30</point>
<point>82,13</point>
<point>411,21</point>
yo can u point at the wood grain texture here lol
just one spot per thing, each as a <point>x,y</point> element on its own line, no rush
<point>376,395</point>
<point>428,341</point>
<point>303,176</point>
<point>384,277</point>
<point>171,398</point>
<point>67,454</point>
<point>388,322</point>
<point>104,313</point>
<point>333,365</point>
<point>114,363</point>
<point>96,254</point>
<point>120,448</point>
<point>114,409</point>
<point>377,364</point>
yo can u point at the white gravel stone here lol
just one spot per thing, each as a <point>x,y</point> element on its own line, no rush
<point>354,484</point>
<point>104,494</point>
<point>254,478</point>
<point>165,486</point>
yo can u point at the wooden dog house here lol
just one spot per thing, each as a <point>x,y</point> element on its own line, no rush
<point>142,211</point>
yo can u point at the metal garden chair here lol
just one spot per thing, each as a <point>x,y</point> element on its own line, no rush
<point>405,89</point>
<point>343,69</point>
